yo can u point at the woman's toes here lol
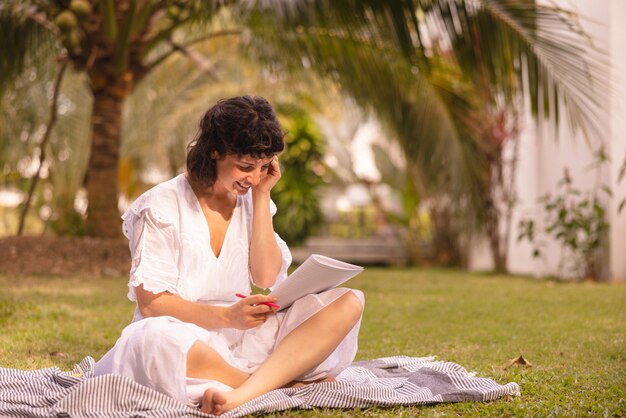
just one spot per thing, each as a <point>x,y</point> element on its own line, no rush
<point>208,403</point>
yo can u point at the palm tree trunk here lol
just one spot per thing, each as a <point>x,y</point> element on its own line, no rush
<point>493,232</point>
<point>103,217</point>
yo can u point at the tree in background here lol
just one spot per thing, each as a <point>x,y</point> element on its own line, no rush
<point>116,44</point>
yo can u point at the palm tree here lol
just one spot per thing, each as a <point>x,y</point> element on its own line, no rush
<point>116,44</point>
<point>380,52</point>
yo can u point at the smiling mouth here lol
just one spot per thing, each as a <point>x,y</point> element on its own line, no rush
<point>242,187</point>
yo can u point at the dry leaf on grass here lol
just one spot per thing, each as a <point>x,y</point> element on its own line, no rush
<point>520,361</point>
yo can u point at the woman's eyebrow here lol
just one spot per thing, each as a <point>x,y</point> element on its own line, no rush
<point>254,164</point>
<point>247,163</point>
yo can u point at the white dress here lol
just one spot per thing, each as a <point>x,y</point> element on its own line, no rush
<point>170,247</point>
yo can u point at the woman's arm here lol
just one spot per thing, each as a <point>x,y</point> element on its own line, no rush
<point>246,313</point>
<point>265,255</point>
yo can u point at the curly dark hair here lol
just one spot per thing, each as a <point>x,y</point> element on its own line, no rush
<point>244,125</point>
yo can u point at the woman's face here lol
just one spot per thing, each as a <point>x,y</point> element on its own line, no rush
<point>236,174</point>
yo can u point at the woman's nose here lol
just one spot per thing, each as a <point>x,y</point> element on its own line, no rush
<point>255,177</point>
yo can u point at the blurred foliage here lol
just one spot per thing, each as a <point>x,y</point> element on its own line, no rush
<point>161,115</point>
<point>355,223</point>
<point>577,221</point>
<point>21,130</point>
<point>297,194</point>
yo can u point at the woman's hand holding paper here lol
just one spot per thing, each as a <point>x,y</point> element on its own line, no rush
<point>250,312</point>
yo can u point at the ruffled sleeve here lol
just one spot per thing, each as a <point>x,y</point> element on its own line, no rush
<point>154,249</point>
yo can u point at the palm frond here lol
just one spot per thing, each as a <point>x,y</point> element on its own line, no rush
<point>567,73</point>
<point>25,40</point>
<point>21,128</point>
<point>503,42</point>
<point>428,119</point>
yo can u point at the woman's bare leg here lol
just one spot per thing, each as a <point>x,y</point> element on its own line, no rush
<point>205,363</point>
<point>304,348</point>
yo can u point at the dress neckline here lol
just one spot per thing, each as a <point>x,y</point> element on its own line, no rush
<point>206,223</point>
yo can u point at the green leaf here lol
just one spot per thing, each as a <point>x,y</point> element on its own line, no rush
<point>23,41</point>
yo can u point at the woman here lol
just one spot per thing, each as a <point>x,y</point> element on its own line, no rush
<point>199,239</point>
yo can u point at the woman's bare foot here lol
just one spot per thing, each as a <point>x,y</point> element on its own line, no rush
<point>217,402</point>
<point>213,401</point>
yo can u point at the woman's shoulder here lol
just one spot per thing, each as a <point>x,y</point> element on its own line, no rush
<point>170,190</point>
<point>162,200</point>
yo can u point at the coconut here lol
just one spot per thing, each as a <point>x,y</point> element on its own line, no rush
<point>72,40</point>
<point>173,12</point>
<point>66,21</point>
<point>81,8</point>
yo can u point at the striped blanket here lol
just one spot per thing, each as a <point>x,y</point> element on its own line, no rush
<point>382,382</point>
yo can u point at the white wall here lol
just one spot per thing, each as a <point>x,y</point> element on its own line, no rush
<point>543,155</point>
<point>618,136</point>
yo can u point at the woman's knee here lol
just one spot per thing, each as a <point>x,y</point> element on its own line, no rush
<point>351,305</point>
<point>147,332</point>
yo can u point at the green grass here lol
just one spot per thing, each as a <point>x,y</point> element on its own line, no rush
<point>573,334</point>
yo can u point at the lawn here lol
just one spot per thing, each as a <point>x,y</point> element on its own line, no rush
<point>574,335</point>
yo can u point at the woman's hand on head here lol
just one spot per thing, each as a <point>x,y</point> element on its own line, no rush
<point>270,178</point>
<point>250,312</point>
